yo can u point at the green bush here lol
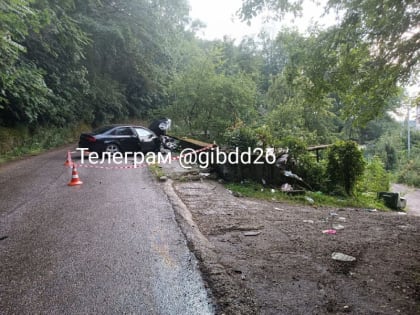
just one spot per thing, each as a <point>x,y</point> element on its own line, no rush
<point>345,167</point>
<point>375,177</point>
<point>18,141</point>
<point>241,136</point>
<point>304,164</point>
<point>410,173</point>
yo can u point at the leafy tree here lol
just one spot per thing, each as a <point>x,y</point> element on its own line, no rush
<point>358,63</point>
<point>23,93</point>
<point>345,166</point>
<point>388,27</point>
<point>206,100</point>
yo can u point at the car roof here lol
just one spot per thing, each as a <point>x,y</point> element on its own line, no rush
<point>107,128</point>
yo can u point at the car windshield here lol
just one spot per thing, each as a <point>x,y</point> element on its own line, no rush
<point>102,129</point>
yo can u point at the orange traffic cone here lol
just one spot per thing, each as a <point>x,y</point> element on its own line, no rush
<point>75,180</point>
<point>68,162</point>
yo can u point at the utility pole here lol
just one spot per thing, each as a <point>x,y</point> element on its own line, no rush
<point>408,132</point>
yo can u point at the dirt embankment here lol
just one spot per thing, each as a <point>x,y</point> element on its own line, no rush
<point>273,258</point>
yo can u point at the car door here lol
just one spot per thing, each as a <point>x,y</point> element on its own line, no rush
<point>149,142</point>
<point>127,139</point>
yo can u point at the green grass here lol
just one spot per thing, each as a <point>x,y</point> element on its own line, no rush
<point>20,141</point>
<point>156,170</point>
<point>258,191</point>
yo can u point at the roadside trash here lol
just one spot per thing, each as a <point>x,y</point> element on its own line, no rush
<point>252,233</point>
<point>342,257</point>
<point>237,194</point>
<point>308,221</point>
<point>205,174</point>
<point>333,214</point>
<point>331,232</point>
<point>263,181</point>
<point>337,227</point>
<point>273,191</point>
<point>286,187</point>
<point>371,210</point>
<point>278,209</point>
<point>392,200</point>
<point>291,175</point>
<point>262,189</point>
<point>309,199</point>
<point>341,219</point>
<point>163,178</point>
<point>401,213</point>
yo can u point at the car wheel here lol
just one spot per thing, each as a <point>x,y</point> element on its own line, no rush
<point>112,148</point>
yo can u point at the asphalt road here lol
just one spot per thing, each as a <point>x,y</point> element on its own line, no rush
<point>412,195</point>
<point>109,246</point>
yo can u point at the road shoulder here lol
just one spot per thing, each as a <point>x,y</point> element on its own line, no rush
<point>272,258</point>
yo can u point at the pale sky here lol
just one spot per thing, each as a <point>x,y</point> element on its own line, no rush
<point>219,16</point>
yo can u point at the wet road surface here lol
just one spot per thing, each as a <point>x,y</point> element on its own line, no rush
<point>110,246</point>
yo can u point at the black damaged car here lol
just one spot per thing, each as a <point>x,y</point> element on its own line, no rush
<point>120,138</point>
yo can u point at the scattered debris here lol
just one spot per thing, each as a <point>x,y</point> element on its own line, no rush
<point>237,194</point>
<point>273,191</point>
<point>402,213</point>
<point>337,227</point>
<point>371,210</point>
<point>333,214</point>
<point>163,178</point>
<point>279,209</point>
<point>308,221</point>
<point>342,257</point>
<point>346,308</point>
<point>331,232</point>
<point>263,181</point>
<point>341,219</point>
<point>252,233</point>
<point>286,187</point>
<point>309,199</point>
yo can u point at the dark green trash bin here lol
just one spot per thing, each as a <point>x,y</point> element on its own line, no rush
<point>392,200</point>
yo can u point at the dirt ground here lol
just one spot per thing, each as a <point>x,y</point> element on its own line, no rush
<point>261,257</point>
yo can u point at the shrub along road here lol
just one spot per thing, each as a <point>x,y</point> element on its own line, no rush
<point>110,246</point>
